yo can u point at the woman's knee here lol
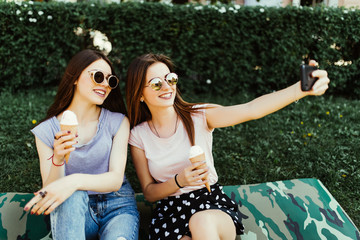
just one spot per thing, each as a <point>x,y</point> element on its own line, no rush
<point>201,221</point>
<point>214,223</point>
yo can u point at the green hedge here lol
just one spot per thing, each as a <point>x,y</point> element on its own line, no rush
<point>253,48</point>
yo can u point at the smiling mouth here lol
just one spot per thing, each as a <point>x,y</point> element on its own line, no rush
<point>166,95</point>
<point>100,92</point>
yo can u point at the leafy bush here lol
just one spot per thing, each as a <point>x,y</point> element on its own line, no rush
<point>257,49</point>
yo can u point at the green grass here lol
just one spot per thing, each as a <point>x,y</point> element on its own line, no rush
<point>318,137</point>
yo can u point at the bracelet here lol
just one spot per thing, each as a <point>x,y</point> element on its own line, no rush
<point>52,160</point>
<point>177,182</point>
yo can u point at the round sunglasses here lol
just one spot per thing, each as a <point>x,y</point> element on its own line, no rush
<point>156,83</point>
<point>98,77</point>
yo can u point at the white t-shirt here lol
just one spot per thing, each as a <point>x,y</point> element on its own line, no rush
<point>169,156</point>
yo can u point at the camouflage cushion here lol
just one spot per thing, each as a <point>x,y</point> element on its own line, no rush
<point>292,209</point>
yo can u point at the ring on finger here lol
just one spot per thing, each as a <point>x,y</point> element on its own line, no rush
<point>42,194</point>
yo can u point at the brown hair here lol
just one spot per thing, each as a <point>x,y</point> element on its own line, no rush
<point>114,102</point>
<point>138,112</point>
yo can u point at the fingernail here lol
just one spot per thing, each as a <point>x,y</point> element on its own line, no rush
<point>68,131</point>
<point>76,135</point>
<point>32,212</point>
<point>26,208</point>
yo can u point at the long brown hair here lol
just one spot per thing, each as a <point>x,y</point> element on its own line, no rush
<point>114,102</point>
<point>138,112</point>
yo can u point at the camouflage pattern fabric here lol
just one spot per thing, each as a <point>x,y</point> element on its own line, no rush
<point>291,209</point>
<point>16,223</point>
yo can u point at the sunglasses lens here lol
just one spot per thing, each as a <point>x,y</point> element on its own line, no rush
<point>113,82</point>
<point>98,77</point>
<point>172,78</point>
<point>156,84</point>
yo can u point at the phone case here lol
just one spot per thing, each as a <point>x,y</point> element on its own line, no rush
<point>307,81</point>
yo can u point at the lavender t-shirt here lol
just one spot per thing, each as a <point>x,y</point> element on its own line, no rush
<point>92,157</point>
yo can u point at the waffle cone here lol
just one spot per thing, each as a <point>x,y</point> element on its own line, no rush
<point>72,129</point>
<point>201,158</point>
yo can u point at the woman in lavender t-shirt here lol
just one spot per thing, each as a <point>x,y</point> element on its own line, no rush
<point>164,127</point>
<point>89,196</point>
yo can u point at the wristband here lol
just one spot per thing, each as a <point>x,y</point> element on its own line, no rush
<point>52,160</point>
<point>177,182</point>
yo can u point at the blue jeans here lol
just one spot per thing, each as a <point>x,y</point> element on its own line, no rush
<point>102,216</point>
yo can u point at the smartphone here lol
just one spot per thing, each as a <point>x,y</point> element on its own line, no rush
<point>307,80</point>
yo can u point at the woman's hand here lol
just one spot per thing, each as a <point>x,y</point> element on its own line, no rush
<point>194,175</point>
<point>322,84</point>
<point>51,196</point>
<point>63,144</point>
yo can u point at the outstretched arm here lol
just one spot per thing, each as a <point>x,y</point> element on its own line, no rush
<point>220,116</point>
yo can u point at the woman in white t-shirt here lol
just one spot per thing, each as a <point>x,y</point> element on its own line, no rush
<point>164,127</point>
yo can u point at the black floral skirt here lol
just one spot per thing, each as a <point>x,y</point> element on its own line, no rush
<point>170,219</point>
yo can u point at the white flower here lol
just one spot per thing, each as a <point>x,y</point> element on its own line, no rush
<point>78,31</point>
<point>222,10</point>
<point>93,5</point>
<point>18,12</point>
<point>198,7</point>
<point>21,19</point>
<point>107,47</point>
<point>30,12</point>
<point>342,18</point>
<point>49,17</point>
<point>346,11</point>
<point>208,81</point>
<point>267,19</point>
<point>262,10</point>
<point>101,41</point>
<point>237,7</point>
<point>31,2</point>
<point>40,13</point>
<point>34,20</point>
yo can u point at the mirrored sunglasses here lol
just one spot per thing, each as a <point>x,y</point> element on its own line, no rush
<point>156,83</point>
<point>98,77</point>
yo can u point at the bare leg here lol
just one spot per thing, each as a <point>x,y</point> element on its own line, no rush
<point>185,238</point>
<point>212,225</point>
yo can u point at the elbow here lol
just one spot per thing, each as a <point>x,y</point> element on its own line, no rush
<point>256,116</point>
<point>149,195</point>
<point>117,183</point>
<point>254,113</point>
<point>150,198</point>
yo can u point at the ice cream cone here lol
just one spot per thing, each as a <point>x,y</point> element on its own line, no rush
<point>198,155</point>
<point>69,123</point>
<point>72,129</point>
